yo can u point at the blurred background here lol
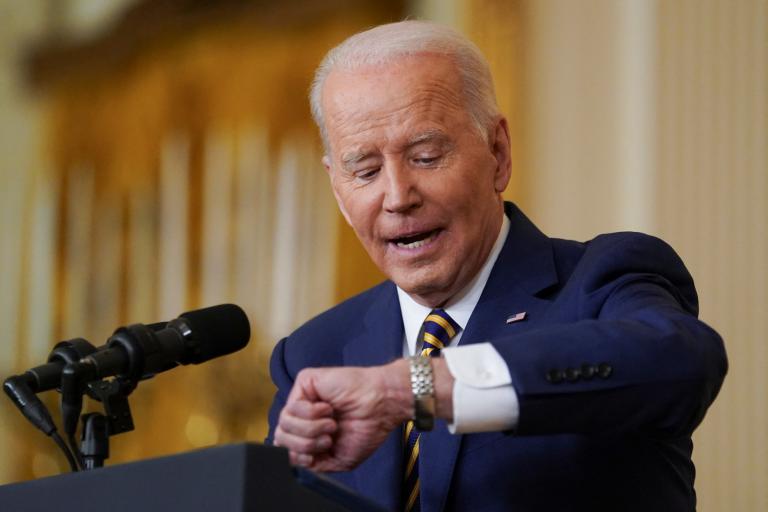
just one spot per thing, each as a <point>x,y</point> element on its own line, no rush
<point>158,156</point>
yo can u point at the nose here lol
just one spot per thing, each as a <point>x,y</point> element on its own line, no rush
<point>401,193</point>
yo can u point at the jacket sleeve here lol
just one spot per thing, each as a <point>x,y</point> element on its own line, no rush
<point>626,353</point>
<point>283,380</point>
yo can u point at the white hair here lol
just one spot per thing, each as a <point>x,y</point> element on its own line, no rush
<point>385,43</point>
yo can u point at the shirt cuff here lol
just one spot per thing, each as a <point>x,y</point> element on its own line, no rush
<point>483,397</point>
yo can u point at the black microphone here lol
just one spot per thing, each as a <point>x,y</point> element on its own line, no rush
<point>35,411</point>
<point>139,351</point>
<point>136,352</point>
<point>22,388</point>
<point>48,376</point>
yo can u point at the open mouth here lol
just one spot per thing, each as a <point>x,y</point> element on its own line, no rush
<point>416,240</point>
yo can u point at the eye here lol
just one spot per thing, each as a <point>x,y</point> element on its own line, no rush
<point>366,175</point>
<point>425,161</point>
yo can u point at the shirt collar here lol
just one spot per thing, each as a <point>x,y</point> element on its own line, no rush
<point>461,307</point>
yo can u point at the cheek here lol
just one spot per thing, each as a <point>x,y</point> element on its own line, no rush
<point>361,215</point>
<point>464,198</point>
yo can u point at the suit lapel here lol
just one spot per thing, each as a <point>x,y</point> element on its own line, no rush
<point>380,476</point>
<point>524,268</point>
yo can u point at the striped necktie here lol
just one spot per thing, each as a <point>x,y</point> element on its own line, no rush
<point>436,333</point>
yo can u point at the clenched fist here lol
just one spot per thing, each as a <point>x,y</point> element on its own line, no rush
<point>335,418</point>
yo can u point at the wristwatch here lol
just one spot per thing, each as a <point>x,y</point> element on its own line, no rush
<point>423,388</point>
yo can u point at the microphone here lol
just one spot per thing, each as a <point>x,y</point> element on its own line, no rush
<point>22,388</point>
<point>137,352</point>
<point>134,352</point>
<point>48,376</point>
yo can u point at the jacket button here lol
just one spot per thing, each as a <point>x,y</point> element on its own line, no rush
<point>588,371</point>
<point>555,376</point>
<point>604,370</point>
<point>572,374</point>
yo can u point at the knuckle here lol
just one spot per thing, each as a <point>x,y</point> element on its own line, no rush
<point>320,409</point>
<point>304,374</point>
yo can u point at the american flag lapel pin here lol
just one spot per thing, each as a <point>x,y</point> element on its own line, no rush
<point>516,317</point>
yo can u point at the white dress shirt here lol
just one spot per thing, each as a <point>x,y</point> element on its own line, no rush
<point>483,397</point>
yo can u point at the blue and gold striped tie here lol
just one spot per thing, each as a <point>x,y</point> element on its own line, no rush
<point>436,333</point>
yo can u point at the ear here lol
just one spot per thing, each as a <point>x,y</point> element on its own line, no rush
<point>331,176</point>
<point>500,147</point>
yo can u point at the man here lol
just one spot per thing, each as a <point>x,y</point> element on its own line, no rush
<point>581,369</point>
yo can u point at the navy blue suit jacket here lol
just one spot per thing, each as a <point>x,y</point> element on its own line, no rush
<point>611,366</point>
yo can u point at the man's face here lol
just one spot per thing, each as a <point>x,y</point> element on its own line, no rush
<point>412,174</point>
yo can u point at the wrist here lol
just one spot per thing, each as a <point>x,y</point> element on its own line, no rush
<point>397,376</point>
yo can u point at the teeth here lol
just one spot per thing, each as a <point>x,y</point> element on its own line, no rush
<point>413,245</point>
<point>417,243</point>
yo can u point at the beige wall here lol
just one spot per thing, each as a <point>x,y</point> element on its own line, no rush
<point>712,203</point>
<point>588,93</point>
<point>652,115</point>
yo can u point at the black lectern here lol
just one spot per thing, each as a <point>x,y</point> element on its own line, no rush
<point>233,478</point>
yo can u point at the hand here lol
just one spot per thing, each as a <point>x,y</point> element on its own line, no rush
<point>335,418</point>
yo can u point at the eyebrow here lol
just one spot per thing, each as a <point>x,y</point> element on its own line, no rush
<point>427,136</point>
<point>354,157</point>
<point>420,138</point>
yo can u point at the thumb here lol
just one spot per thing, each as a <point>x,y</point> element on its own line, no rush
<point>305,387</point>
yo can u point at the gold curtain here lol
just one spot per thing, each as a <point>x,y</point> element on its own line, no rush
<point>195,99</point>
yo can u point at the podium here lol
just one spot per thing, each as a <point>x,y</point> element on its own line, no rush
<point>232,478</point>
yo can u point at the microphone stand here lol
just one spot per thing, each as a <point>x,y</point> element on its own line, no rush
<point>97,427</point>
<point>77,380</point>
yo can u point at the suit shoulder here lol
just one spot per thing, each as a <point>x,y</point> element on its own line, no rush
<point>615,259</point>
<point>629,239</point>
<point>629,249</point>
<point>609,244</point>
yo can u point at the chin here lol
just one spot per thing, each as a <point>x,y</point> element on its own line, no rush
<point>423,286</point>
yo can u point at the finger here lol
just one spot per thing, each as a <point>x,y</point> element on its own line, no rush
<point>308,410</point>
<point>303,386</point>
<point>326,463</point>
<point>307,428</point>
<point>301,459</point>
<point>300,444</point>
<point>306,384</point>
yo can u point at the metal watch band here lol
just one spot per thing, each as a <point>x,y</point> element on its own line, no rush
<point>423,389</point>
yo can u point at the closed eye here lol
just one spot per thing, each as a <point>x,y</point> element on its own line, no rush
<point>426,161</point>
<point>367,174</point>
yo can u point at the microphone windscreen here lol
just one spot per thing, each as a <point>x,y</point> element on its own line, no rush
<point>217,331</point>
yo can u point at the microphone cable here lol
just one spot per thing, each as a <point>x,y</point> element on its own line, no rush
<point>73,466</point>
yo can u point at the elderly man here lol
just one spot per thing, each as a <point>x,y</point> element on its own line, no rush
<point>496,369</point>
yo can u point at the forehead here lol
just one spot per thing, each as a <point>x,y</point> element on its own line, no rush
<point>388,103</point>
